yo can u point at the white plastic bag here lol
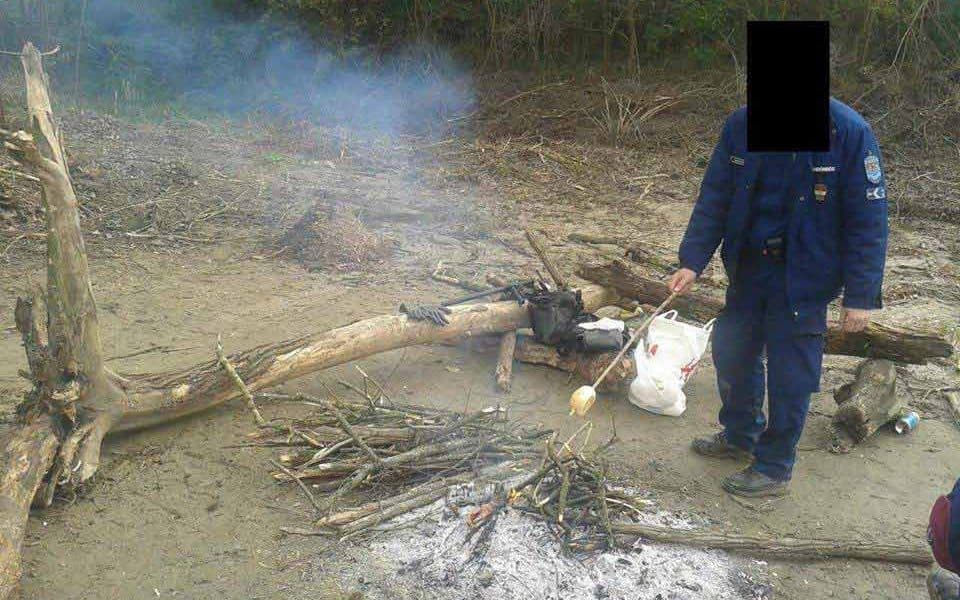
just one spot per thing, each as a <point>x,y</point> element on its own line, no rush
<point>665,362</point>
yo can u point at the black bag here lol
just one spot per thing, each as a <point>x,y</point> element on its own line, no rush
<point>598,341</point>
<point>555,316</point>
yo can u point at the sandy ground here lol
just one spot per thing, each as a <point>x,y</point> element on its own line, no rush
<point>180,511</point>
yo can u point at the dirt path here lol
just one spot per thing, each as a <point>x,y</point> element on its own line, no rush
<point>180,511</point>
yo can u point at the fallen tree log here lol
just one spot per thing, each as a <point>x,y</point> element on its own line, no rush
<point>782,547</point>
<point>876,341</point>
<point>627,279</point>
<point>157,399</point>
<point>27,452</point>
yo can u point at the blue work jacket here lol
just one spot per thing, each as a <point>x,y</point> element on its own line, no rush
<point>837,225</point>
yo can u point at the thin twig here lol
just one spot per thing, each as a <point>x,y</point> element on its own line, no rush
<point>300,483</point>
<point>347,428</point>
<point>222,358</point>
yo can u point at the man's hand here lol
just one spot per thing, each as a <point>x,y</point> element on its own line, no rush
<point>682,281</point>
<point>854,319</point>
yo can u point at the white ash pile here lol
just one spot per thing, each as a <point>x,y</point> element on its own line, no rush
<point>434,553</point>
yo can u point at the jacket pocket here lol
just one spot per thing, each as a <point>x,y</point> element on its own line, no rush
<point>810,321</point>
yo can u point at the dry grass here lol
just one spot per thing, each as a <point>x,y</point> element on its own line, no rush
<point>336,239</point>
<point>623,113</point>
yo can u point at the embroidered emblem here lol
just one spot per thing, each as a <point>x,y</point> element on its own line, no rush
<point>871,165</point>
<point>825,169</point>
<point>820,192</point>
<point>737,160</point>
<point>877,193</point>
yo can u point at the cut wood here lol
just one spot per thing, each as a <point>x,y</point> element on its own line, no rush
<point>869,401</point>
<point>586,366</point>
<point>504,371</point>
<point>876,341</point>
<point>892,343</point>
<point>639,254</point>
<point>591,238</point>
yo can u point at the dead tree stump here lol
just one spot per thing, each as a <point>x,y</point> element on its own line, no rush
<point>869,401</point>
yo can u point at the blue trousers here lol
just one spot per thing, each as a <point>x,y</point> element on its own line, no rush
<point>757,319</point>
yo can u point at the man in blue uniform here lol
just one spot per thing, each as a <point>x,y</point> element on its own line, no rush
<point>796,230</point>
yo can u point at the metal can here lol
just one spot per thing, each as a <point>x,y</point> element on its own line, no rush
<point>907,422</point>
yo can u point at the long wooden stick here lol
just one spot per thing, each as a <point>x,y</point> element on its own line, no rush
<point>352,514</point>
<point>782,547</point>
<point>413,502</point>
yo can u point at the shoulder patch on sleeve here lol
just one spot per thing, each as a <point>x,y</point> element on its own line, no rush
<point>871,164</point>
<point>876,193</point>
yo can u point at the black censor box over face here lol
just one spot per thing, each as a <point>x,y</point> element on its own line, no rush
<point>788,86</point>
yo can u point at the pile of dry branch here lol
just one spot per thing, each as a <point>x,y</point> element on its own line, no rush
<point>572,492</point>
<point>408,455</point>
<point>411,456</point>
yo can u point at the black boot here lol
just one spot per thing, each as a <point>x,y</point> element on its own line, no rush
<point>754,484</point>
<point>717,446</point>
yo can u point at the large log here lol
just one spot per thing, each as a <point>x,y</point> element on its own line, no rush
<point>628,280</point>
<point>876,341</point>
<point>157,398</point>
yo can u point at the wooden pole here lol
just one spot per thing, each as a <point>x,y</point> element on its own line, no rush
<point>782,547</point>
